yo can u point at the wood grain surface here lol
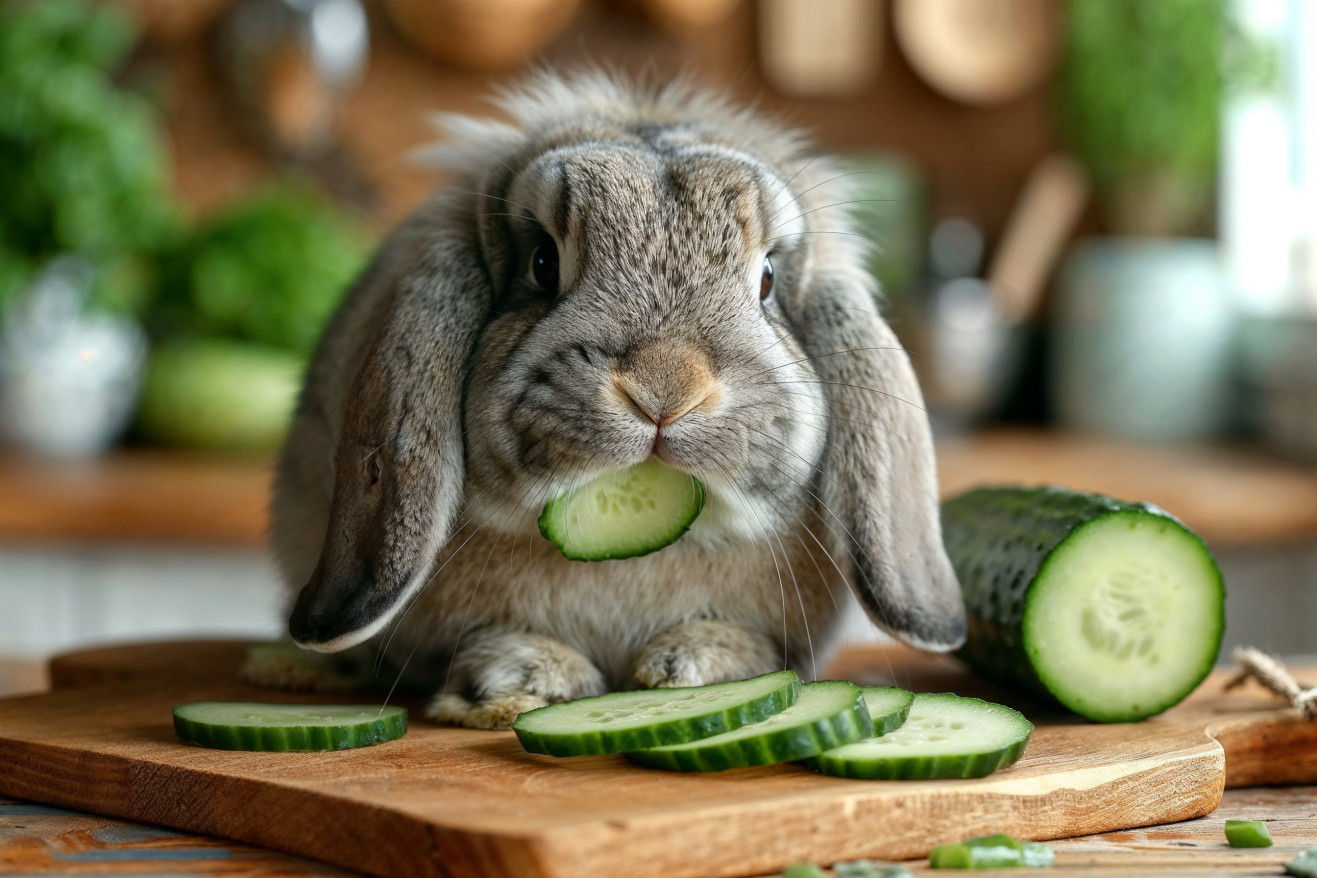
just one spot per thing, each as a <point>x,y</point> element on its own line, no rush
<point>461,802</point>
<point>155,496</point>
<point>41,840</point>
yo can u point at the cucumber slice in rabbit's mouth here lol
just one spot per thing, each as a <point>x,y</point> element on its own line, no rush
<point>623,514</point>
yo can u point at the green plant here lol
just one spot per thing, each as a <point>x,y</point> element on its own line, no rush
<point>268,269</point>
<point>1139,99</point>
<point>82,165</point>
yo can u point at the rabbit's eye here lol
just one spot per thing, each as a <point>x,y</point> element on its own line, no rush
<point>766,281</point>
<point>544,266</point>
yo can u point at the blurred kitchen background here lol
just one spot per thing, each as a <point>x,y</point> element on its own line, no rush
<point>1096,225</point>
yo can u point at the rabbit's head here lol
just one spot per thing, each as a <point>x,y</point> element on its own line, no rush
<point>619,275</point>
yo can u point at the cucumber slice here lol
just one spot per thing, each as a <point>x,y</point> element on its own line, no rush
<point>827,714</point>
<point>246,725</point>
<point>1114,610</point>
<point>888,706</point>
<point>652,717</point>
<point>623,514</point>
<point>945,735</point>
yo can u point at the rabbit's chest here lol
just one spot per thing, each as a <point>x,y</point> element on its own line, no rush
<point>609,610</point>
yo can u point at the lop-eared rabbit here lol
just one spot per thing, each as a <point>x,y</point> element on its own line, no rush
<point>614,274</point>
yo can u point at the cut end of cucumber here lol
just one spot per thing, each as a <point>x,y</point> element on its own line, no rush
<point>624,514</point>
<point>944,736</point>
<point>1126,616</point>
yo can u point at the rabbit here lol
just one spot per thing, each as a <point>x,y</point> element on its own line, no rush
<point>617,272</point>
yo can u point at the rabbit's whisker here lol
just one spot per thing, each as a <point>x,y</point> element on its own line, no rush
<point>371,453</point>
<point>412,603</point>
<point>529,210</point>
<point>397,623</point>
<point>823,475</point>
<point>860,387</point>
<point>831,416</point>
<point>837,204</point>
<point>832,179</point>
<point>746,506</point>
<point>814,232</point>
<point>421,591</point>
<point>791,180</point>
<point>821,356</point>
<point>546,479</point>
<point>785,334</point>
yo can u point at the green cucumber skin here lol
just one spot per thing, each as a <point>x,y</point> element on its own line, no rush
<point>921,767</point>
<point>660,734</point>
<point>999,540</point>
<point>390,726</point>
<point>890,722</point>
<point>784,745</point>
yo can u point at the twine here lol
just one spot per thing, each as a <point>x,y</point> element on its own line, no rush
<point>1273,674</point>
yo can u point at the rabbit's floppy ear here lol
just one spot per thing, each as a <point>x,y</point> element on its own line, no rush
<point>398,460</point>
<point>879,478</point>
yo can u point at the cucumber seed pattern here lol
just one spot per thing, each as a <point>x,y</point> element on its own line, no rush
<point>1118,620</point>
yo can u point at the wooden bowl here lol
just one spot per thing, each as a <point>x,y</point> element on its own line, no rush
<point>980,51</point>
<point>481,35</point>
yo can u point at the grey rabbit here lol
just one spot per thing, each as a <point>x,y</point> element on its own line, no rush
<point>617,272</point>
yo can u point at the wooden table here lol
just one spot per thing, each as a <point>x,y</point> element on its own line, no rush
<point>36,839</point>
<point>1235,497</point>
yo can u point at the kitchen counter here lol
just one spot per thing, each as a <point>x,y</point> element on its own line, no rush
<point>1235,497</point>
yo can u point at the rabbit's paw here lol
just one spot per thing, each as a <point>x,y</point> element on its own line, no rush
<point>699,653</point>
<point>510,672</point>
<point>292,670</point>
<point>492,713</point>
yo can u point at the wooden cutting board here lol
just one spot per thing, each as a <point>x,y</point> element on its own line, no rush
<point>456,802</point>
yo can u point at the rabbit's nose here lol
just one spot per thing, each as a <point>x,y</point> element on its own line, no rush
<point>665,382</point>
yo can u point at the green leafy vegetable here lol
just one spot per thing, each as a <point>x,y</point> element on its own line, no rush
<point>1139,98</point>
<point>269,269</point>
<point>82,161</point>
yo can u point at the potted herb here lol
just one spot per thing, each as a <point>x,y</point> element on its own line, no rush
<point>1143,319</point>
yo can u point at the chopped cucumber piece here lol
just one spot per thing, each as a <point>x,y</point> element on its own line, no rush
<point>245,725</point>
<point>944,736</point>
<point>653,717</point>
<point>804,870</point>
<point>991,852</point>
<point>1115,610</point>
<point>623,514</point>
<point>1304,865</point>
<point>888,707</point>
<point>1247,834</point>
<point>869,869</point>
<point>827,714</point>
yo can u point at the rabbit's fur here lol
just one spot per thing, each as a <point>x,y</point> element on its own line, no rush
<point>451,397</point>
